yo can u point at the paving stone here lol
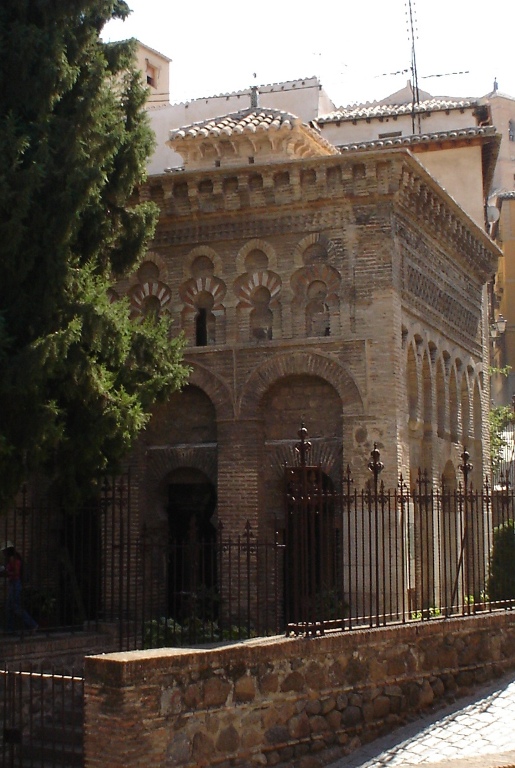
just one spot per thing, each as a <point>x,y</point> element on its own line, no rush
<point>476,732</point>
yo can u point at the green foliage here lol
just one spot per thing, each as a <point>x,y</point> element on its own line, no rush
<point>499,418</point>
<point>41,604</point>
<point>77,377</point>
<point>432,612</point>
<point>501,578</point>
<point>168,633</point>
<point>198,624</point>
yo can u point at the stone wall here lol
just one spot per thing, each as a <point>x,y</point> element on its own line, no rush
<point>293,701</point>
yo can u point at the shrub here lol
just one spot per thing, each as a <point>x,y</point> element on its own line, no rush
<point>168,633</point>
<point>501,578</point>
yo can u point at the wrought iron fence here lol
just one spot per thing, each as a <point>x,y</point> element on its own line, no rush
<point>340,558</point>
<point>206,592</point>
<point>377,556</point>
<point>76,567</point>
<point>41,716</point>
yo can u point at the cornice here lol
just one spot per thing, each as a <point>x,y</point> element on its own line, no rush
<point>446,221</point>
<point>220,197</point>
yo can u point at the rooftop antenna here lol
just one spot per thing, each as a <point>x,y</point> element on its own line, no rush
<point>412,29</point>
<point>410,5</point>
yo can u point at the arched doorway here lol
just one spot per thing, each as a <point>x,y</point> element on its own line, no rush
<point>290,401</point>
<point>302,499</point>
<point>313,577</point>
<point>191,513</point>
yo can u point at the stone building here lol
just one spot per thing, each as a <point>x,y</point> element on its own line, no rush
<point>502,208</point>
<point>342,290</point>
<point>453,138</point>
<point>154,68</point>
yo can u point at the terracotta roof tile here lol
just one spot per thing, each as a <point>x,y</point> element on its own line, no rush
<point>364,111</point>
<point>425,138</point>
<point>245,121</point>
<point>285,85</point>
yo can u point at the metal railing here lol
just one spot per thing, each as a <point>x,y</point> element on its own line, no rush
<point>340,558</point>
<point>41,715</point>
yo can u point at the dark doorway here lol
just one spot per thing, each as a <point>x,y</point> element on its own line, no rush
<point>313,566</point>
<point>192,577</point>
<point>78,559</point>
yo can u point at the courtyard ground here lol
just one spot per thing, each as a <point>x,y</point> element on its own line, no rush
<point>474,732</point>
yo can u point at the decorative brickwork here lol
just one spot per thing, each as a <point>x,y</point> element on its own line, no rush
<point>342,291</point>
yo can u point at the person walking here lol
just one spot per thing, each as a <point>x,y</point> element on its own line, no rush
<point>12,570</point>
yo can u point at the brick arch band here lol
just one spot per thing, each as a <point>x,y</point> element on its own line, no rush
<point>312,239</point>
<point>163,461</point>
<point>216,389</point>
<point>154,288</point>
<point>191,288</point>
<point>299,364</point>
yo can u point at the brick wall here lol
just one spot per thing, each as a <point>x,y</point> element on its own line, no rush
<point>396,270</point>
<point>345,292</point>
<point>291,701</point>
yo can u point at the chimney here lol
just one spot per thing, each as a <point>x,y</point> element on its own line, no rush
<point>254,97</point>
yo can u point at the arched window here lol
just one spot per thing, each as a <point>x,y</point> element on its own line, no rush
<point>317,311</point>
<point>151,307</point>
<point>205,324</point>
<point>261,317</point>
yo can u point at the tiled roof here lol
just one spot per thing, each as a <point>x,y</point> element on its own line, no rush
<point>498,94</point>
<point>245,121</point>
<point>286,85</point>
<point>153,50</point>
<point>364,111</point>
<point>425,138</point>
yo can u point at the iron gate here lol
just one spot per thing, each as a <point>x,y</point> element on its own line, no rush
<point>313,581</point>
<point>42,719</point>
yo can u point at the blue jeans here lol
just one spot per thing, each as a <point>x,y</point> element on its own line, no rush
<point>14,608</point>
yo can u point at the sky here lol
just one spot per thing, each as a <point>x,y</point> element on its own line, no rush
<point>352,47</point>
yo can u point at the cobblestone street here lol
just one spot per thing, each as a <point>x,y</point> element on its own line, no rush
<point>475,732</point>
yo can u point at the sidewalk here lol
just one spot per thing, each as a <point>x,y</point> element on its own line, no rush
<point>475,732</point>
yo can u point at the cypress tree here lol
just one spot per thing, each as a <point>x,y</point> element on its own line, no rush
<point>77,377</point>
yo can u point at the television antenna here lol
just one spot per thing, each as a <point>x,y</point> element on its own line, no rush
<point>413,69</point>
<point>410,12</point>
<point>412,36</point>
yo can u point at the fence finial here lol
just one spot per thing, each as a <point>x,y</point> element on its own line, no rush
<point>466,468</point>
<point>375,465</point>
<point>304,447</point>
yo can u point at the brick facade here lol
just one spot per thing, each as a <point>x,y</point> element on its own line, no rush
<point>345,292</point>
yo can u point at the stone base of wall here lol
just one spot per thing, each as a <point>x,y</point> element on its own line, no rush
<point>293,701</point>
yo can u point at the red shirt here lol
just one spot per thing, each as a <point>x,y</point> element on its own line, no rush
<point>13,568</point>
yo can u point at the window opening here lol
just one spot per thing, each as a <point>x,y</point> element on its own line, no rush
<point>201,328</point>
<point>151,76</point>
